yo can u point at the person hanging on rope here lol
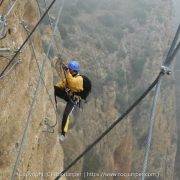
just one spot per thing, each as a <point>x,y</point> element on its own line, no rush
<point>72,89</point>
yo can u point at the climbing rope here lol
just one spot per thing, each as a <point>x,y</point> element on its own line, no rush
<point>169,60</point>
<point>50,127</point>
<point>49,48</point>
<point>30,34</point>
<point>170,56</point>
<point>51,25</point>
<point>174,42</point>
<point>152,120</point>
<point>56,25</point>
<point>36,90</point>
<point>34,96</point>
<point>156,83</point>
<point>49,19</point>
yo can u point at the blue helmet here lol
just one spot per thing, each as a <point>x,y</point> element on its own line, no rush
<point>74,65</point>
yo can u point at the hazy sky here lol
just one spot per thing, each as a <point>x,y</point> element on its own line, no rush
<point>177,11</point>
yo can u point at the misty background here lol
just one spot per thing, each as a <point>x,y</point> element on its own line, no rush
<point>176,21</point>
<point>101,36</point>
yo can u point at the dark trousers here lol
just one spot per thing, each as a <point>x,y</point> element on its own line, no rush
<point>61,93</point>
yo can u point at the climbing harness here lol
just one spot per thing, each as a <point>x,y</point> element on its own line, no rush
<point>3,26</point>
<point>156,83</point>
<point>76,103</point>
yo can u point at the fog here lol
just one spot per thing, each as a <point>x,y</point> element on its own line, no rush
<point>176,4</point>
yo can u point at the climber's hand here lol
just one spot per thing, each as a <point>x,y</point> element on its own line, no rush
<point>64,67</point>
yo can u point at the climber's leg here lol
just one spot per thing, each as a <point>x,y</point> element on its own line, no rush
<point>67,111</point>
<point>61,93</point>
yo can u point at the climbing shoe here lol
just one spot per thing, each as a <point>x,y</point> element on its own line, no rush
<point>62,137</point>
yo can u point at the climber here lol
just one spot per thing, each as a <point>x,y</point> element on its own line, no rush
<point>72,89</point>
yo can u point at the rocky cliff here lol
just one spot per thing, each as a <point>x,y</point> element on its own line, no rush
<point>25,104</point>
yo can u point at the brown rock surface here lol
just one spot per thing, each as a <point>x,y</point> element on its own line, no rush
<point>40,151</point>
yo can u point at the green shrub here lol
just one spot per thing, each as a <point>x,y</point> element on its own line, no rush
<point>121,54</point>
<point>137,67</point>
<point>119,76</point>
<point>121,102</point>
<point>160,18</point>
<point>129,27</point>
<point>110,45</point>
<point>63,32</point>
<point>86,28</point>
<point>107,20</point>
<point>70,44</point>
<point>135,93</point>
<point>87,6</point>
<point>141,15</point>
<point>45,47</point>
<point>73,11</point>
<point>98,45</point>
<point>67,19</point>
<point>141,10</point>
<point>71,30</point>
<point>142,141</point>
<point>118,34</point>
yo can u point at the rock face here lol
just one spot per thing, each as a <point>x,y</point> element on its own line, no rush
<point>25,104</point>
